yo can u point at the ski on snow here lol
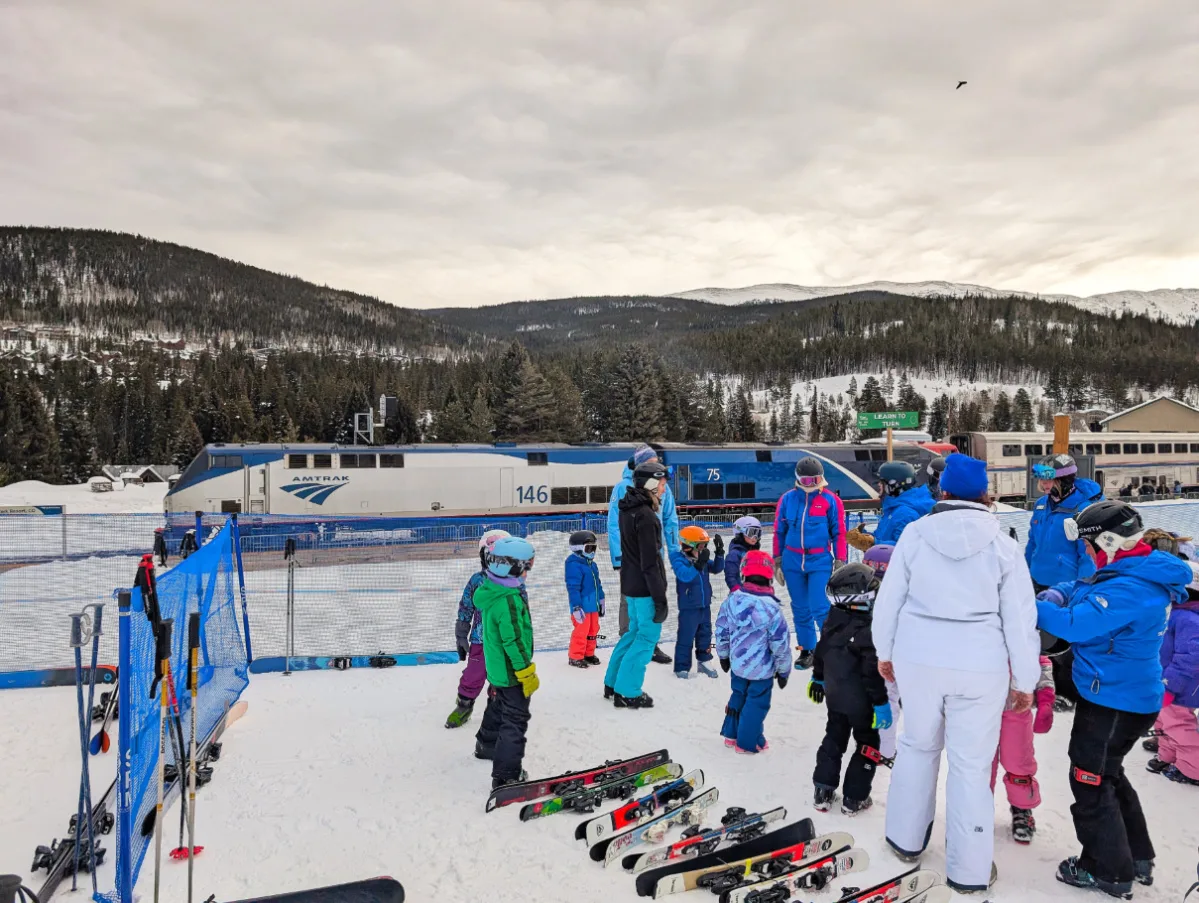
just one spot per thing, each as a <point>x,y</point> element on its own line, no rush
<point>588,799</point>
<point>915,886</point>
<point>653,831</point>
<point>573,780</point>
<point>374,890</point>
<point>752,869</point>
<point>736,827</point>
<point>812,875</point>
<point>638,811</point>
<point>58,859</point>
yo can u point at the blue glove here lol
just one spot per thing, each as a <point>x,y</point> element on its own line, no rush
<point>1052,596</point>
<point>577,615</point>
<point>882,717</point>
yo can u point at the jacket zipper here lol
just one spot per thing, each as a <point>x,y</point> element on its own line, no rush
<point>803,544</point>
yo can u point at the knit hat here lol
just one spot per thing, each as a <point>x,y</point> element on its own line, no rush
<point>642,454</point>
<point>964,477</point>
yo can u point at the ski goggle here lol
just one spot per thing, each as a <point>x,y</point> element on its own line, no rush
<point>808,482</point>
<point>1044,472</point>
<point>590,548</point>
<point>752,532</point>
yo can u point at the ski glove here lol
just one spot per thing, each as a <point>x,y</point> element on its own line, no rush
<point>529,681</point>
<point>704,557</point>
<point>576,615</point>
<point>718,545</point>
<point>782,679</point>
<point>725,664</point>
<point>778,572</point>
<point>659,611</point>
<point>1053,596</point>
<point>602,608</point>
<point>882,717</point>
<point>816,691</point>
<point>1043,721</point>
<point>462,639</point>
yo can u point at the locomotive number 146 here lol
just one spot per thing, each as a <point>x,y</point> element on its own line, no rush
<point>529,495</point>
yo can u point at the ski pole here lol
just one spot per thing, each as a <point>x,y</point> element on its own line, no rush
<point>77,642</point>
<point>97,632</point>
<point>193,686</point>
<point>164,665</point>
<point>176,710</point>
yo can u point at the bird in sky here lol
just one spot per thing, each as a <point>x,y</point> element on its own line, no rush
<point>959,85</point>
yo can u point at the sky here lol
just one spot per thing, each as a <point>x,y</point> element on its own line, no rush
<point>463,152</point>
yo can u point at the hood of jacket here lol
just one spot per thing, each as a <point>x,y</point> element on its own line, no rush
<point>636,498</point>
<point>918,499</point>
<point>1085,491</point>
<point>958,530</point>
<point>1159,569</point>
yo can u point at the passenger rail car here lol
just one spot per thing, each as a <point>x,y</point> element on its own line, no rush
<point>522,480</point>
<point>1155,459</point>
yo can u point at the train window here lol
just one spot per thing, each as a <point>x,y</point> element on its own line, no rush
<point>878,454</point>
<point>578,495</point>
<point>1148,448</point>
<point>1094,448</point>
<point>1194,448</point>
<point>1165,448</point>
<point>1034,451</point>
<point>391,460</point>
<point>1075,449</point>
<point>1130,448</point>
<point>739,491</point>
<point>599,495</point>
<point>1111,448</point>
<point>297,462</point>
<point>322,462</point>
<point>1011,451</point>
<point>538,459</point>
<point>861,454</point>
<point>220,461</point>
<point>230,506</point>
<point>559,495</point>
<point>1180,448</point>
<point>707,492</point>
<point>765,456</point>
<point>358,461</point>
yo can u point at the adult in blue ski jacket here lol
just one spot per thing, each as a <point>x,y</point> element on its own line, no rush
<point>1052,556</point>
<point>900,510</point>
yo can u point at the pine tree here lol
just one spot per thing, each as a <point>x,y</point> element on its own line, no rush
<point>1022,415</point>
<point>76,440</point>
<point>566,423</point>
<point>481,422</point>
<point>889,386</point>
<point>1002,415</point>
<point>853,388</point>
<point>452,422</point>
<point>938,421</point>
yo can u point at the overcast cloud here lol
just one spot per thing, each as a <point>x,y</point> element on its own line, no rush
<point>446,152</point>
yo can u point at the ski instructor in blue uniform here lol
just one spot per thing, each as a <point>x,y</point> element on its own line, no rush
<point>667,514</point>
<point>809,536</point>
<point>903,503</point>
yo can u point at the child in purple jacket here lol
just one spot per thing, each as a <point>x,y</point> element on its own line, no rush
<point>1178,744</point>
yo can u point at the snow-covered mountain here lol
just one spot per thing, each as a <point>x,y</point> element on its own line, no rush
<point>1177,305</point>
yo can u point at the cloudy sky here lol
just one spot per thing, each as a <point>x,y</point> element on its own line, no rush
<point>456,152</point>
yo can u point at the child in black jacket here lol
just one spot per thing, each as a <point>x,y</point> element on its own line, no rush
<point>845,677</point>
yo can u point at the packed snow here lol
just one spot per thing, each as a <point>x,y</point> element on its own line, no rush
<point>336,776</point>
<point>80,499</point>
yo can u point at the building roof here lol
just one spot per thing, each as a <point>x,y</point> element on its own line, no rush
<point>1145,404</point>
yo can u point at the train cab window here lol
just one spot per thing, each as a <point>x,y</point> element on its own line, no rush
<point>322,462</point>
<point>1130,448</point>
<point>1148,448</point>
<point>578,495</point>
<point>222,461</point>
<point>599,495</point>
<point>1111,448</point>
<point>765,456</point>
<point>538,459</point>
<point>361,462</point>
<point>740,491</point>
<point>878,454</point>
<point>297,462</point>
<point>1165,448</point>
<point>1094,448</point>
<point>230,506</point>
<point>1180,448</point>
<point>861,454</point>
<point>1034,451</point>
<point>391,460</point>
<point>1011,451</point>
<point>707,492</point>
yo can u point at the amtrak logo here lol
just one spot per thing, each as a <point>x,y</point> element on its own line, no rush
<point>315,489</point>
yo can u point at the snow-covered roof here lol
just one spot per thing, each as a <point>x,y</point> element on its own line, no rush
<point>1145,404</point>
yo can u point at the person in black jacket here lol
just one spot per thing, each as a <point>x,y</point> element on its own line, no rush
<point>845,677</point>
<point>643,582</point>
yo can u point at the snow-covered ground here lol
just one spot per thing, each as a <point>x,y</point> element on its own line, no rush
<point>79,499</point>
<point>335,776</point>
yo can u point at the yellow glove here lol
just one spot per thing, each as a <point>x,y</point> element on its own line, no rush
<point>778,572</point>
<point>528,679</point>
<point>859,539</point>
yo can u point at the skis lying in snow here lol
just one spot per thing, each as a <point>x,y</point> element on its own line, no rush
<point>915,886</point>
<point>814,874</point>
<point>638,811</point>
<point>752,869</point>
<point>55,677</point>
<point>374,890</point>
<point>588,799</point>
<point>58,859</point>
<point>573,780</point>
<point>269,664</point>
<point>797,832</point>
<point>736,827</point>
<point>653,831</point>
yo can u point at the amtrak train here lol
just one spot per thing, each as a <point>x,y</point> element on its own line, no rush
<point>522,480</point>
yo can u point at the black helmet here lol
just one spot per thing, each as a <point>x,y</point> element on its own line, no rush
<point>897,476</point>
<point>853,586</point>
<point>580,538</point>
<point>1108,525</point>
<point>649,475</point>
<point>808,467</point>
<point>935,468</point>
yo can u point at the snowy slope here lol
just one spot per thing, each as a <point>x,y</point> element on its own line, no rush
<point>79,499</point>
<point>1179,305</point>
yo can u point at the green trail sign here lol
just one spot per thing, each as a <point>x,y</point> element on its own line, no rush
<point>880,420</point>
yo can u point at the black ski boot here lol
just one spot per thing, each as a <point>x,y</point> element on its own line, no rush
<point>593,660</point>
<point>804,660</point>
<point>484,752</point>
<point>636,702</point>
<point>1178,777</point>
<point>578,663</point>
<point>1069,872</point>
<point>462,712</point>
<point>853,807</point>
<point>503,782</point>
<point>1150,745</point>
<point>1156,765</point>
<point>1024,826</point>
<point>1144,873</point>
<point>661,657</point>
<point>608,692</point>
<point>824,798</point>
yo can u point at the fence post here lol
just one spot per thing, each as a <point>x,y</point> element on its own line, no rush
<point>241,585</point>
<point>199,529</point>
<point>64,532</point>
<point>124,876</point>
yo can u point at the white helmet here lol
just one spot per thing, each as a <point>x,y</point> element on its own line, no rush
<point>489,539</point>
<point>749,527</point>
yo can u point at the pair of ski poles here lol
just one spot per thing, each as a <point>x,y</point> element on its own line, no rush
<point>83,629</point>
<point>166,699</point>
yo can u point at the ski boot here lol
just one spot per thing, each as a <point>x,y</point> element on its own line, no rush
<point>974,889</point>
<point>609,693</point>
<point>484,752</point>
<point>824,798</point>
<point>1178,777</point>
<point>661,657</point>
<point>683,675</point>
<point>578,663</point>
<point>853,807</point>
<point>496,783</point>
<point>462,712</point>
<point>706,670</point>
<point>593,660</point>
<point>1156,765</point>
<point>1144,873</point>
<point>1150,745</point>
<point>635,702</point>
<point>804,660</point>
<point>1024,826</point>
<point>1069,872</point>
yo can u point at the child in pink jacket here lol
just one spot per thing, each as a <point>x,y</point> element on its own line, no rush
<point>1018,757</point>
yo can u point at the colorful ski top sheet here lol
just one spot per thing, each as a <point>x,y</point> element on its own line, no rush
<point>638,811</point>
<point>702,842</point>
<point>814,875</point>
<point>654,830</point>
<point>917,886</point>
<point>588,799</point>
<point>55,677</point>
<point>573,780</point>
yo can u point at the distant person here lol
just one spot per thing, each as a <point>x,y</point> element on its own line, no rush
<point>667,514</point>
<point>1177,488</point>
<point>935,468</point>
<point>694,564</point>
<point>160,547</point>
<point>1126,491</point>
<point>809,539</point>
<point>1147,491</point>
<point>585,594</point>
<point>747,535</point>
<point>902,503</point>
<point>468,637</point>
<point>642,583</point>
<point>188,544</point>
<point>1178,744</point>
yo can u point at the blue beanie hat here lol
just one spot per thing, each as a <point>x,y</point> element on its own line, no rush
<point>642,454</point>
<point>964,477</point>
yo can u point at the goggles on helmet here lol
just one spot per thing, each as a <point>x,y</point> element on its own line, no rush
<point>809,481</point>
<point>1044,472</point>
<point>752,532</point>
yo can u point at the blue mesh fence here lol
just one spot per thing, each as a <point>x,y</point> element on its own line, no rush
<point>206,582</point>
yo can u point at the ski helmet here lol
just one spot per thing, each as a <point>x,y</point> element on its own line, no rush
<point>489,539</point>
<point>1109,526</point>
<point>809,474</point>
<point>897,477</point>
<point>878,557</point>
<point>648,475</point>
<point>585,542</point>
<point>749,527</point>
<point>935,468</point>
<point>694,535</point>
<point>757,567</point>
<point>510,557</point>
<point>853,586</point>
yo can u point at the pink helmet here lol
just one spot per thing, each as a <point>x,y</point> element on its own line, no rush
<point>757,563</point>
<point>878,557</point>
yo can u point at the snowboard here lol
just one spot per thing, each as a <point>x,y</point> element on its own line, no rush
<point>374,890</point>
<point>918,886</point>
<point>654,830</point>
<point>814,875</point>
<point>737,827</point>
<point>573,780</point>
<point>591,798</point>
<point>638,811</point>
<point>647,881</point>
<point>55,677</point>
<point>752,869</point>
<point>276,663</point>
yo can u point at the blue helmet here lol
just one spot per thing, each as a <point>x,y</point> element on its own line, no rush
<point>510,557</point>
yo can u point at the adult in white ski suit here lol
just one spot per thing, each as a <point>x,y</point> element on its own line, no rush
<point>954,614</point>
